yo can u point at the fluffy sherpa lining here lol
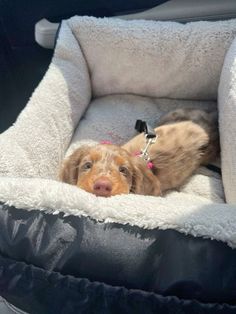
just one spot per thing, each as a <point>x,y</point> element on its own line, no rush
<point>154,58</point>
<point>111,59</point>
<point>227,123</point>
<point>180,211</point>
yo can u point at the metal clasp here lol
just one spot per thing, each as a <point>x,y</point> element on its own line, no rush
<point>150,136</point>
<point>149,141</point>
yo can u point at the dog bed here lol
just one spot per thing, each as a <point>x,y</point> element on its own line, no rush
<point>128,253</point>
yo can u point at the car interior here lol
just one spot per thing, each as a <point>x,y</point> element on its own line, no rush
<point>186,263</point>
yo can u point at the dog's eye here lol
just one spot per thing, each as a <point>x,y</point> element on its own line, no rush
<point>124,170</point>
<point>88,165</point>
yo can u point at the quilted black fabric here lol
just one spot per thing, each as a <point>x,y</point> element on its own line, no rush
<point>38,291</point>
<point>164,262</point>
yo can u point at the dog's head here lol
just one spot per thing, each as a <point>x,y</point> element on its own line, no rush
<point>107,170</point>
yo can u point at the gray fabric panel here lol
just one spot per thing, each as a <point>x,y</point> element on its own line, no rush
<point>7,308</point>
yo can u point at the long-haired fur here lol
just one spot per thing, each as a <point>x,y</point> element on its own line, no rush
<point>186,139</point>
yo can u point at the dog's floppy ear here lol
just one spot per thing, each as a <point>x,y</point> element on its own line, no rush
<point>69,170</point>
<point>144,181</point>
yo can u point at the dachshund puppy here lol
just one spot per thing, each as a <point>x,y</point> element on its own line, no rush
<point>107,170</point>
<point>187,138</point>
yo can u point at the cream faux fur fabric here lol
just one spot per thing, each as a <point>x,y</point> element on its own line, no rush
<point>227,123</point>
<point>36,144</point>
<point>157,59</point>
<point>179,211</point>
<point>113,59</point>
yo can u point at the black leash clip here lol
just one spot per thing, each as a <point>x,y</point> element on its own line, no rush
<point>142,126</point>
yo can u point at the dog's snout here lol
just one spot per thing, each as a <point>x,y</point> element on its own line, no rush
<point>102,187</point>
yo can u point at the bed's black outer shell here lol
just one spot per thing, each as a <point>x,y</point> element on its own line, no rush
<point>55,264</point>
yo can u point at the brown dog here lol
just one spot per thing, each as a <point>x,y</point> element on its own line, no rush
<point>107,170</point>
<point>186,139</point>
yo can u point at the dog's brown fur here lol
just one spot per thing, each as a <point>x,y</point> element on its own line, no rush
<point>113,167</point>
<point>186,139</point>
